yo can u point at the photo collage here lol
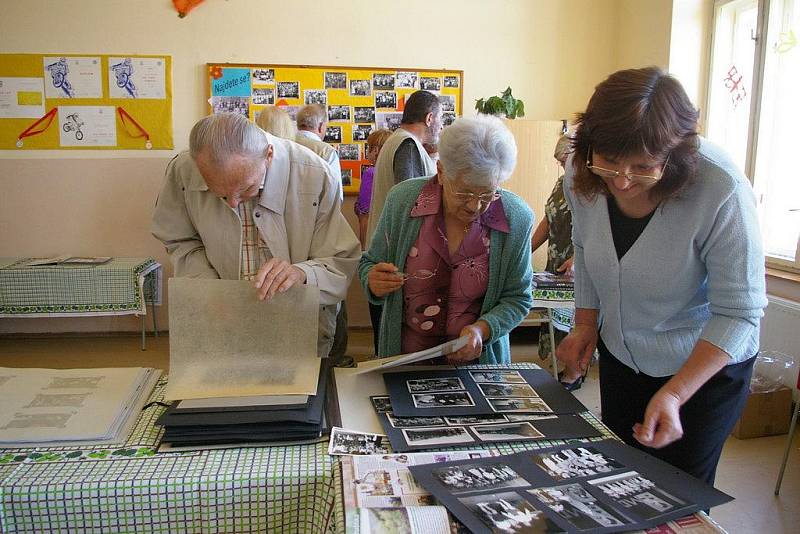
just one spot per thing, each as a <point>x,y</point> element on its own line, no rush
<point>604,486</point>
<point>357,99</point>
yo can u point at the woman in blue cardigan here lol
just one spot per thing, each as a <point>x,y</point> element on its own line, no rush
<point>669,268</point>
<point>451,254</point>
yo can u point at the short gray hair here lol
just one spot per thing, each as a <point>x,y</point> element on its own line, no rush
<point>225,134</point>
<point>311,117</point>
<point>274,120</point>
<point>480,149</point>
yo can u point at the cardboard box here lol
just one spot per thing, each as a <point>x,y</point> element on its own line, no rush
<point>765,414</point>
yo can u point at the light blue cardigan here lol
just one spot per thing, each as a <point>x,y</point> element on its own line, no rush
<point>696,271</point>
<point>508,295</point>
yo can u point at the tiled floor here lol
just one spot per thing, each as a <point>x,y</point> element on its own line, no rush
<point>747,471</point>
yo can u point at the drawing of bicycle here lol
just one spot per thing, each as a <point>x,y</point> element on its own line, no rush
<point>58,72</point>
<point>124,72</point>
<point>74,123</point>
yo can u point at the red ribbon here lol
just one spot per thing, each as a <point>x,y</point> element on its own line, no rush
<point>122,115</point>
<point>29,131</point>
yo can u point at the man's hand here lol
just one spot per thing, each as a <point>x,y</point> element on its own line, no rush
<point>577,348</point>
<point>472,350</point>
<point>662,422</point>
<point>383,279</point>
<point>566,267</point>
<point>276,276</point>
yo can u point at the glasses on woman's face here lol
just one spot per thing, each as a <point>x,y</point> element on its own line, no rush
<point>465,197</point>
<point>610,174</point>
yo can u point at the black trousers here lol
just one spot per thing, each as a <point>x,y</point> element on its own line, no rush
<point>375,311</point>
<point>707,418</point>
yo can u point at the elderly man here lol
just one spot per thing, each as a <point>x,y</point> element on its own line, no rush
<point>243,204</point>
<point>312,121</point>
<point>403,155</point>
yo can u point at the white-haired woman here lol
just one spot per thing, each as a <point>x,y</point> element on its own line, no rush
<point>451,253</point>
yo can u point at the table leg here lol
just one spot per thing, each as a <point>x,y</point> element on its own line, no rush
<point>553,360</point>
<point>143,342</point>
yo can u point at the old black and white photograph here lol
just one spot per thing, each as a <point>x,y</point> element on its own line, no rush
<point>507,432</point>
<point>497,376</point>
<point>479,477</point>
<point>414,422</point>
<point>509,513</point>
<point>383,81</point>
<point>638,494</point>
<point>448,102</point>
<point>347,177</point>
<point>316,96</point>
<point>288,89</point>
<point>335,80</point>
<point>437,437</point>
<point>442,400</point>
<point>475,419</point>
<point>428,83</point>
<point>579,507</point>
<point>363,114</point>
<point>578,462</point>
<point>390,121</point>
<point>431,385</point>
<point>360,88</point>
<point>451,81</point>
<point>349,152</point>
<point>339,113</point>
<point>530,404</point>
<point>344,442</point>
<point>333,134</point>
<point>361,132</point>
<point>507,390</point>
<point>385,100</point>
<point>231,104</point>
<point>263,96</point>
<point>263,76</point>
<point>406,80</point>
<point>448,118</point>
<point>382,404</point>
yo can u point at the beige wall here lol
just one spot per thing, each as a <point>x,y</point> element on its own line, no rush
<point>551,52</point>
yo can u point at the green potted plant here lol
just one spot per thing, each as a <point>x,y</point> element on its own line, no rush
<point>503,105</point>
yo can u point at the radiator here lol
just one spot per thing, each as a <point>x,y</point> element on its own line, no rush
<point>780,331</point>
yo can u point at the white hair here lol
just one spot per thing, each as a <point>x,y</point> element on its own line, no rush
<point>310,117</point>
<point>225,134</point>
<point>480,149</point>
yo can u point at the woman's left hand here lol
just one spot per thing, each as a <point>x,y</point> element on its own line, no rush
<point>472,350</point>
<point>662,421</point>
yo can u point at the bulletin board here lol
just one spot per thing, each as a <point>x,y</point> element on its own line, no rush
<point>87,101</point>
<point>358,99</point>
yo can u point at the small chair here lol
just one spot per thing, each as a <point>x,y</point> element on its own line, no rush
<point>789,440</point>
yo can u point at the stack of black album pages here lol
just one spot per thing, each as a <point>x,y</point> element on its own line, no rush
<point>242,370</point>
<point>546,280</point>
<point>71,407</point>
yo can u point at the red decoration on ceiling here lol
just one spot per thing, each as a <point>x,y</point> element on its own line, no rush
<point>184,6</point>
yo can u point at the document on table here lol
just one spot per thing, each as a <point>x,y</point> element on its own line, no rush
<point>224,342</point>
<point>383,364</point>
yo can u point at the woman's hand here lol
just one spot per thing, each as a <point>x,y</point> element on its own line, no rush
<point>662,421</point>
<point>566,267</point>
<point>577,348</point>
<point>383,279</point>
<point>476,332</point>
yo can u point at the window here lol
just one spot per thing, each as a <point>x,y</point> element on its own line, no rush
<point>754,112</point>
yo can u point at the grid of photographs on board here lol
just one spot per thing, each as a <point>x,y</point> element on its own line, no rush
<point>434,431</point>
<point>478,392</point>
<point>357,100</point>
<point>604,486</point>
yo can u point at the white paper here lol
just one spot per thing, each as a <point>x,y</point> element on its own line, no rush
<point>383,364</point>
<point>137,77</point>
<point>87,125</point>
<point>18,98</point>
<point>253,400</point>
<point>73,77</point>
<point>224,342</point>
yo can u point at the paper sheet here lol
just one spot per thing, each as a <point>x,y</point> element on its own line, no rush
<point>21,97</point>
<point>136,77</point>
<point>224,342</point>
<point>405,359</point>
<point>73,77</point>
<point>87,126</point>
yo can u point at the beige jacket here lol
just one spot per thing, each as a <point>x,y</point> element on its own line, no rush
<point>298,215</point>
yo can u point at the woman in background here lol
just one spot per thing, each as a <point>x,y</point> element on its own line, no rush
<point>361,206</point>
<point>274,120</point>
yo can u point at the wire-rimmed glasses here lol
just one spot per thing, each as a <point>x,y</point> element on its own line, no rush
<point>610,174</point>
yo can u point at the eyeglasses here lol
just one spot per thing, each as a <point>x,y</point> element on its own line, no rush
<point>422,274</point>
<point>484,199</point>
<point>610,174</point>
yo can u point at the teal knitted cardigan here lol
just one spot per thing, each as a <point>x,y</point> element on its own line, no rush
<point>508,296</point>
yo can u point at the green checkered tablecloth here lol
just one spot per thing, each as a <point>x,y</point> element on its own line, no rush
<point>114,288</point>
<point>132,489</point>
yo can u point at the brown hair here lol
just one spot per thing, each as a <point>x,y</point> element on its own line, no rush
<point>378,137</point>
<point>638,112</point>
